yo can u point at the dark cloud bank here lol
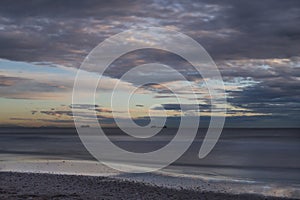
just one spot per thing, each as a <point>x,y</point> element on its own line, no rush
<point>241,36</point>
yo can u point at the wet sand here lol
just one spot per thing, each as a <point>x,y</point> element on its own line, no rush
<point>15,185</point>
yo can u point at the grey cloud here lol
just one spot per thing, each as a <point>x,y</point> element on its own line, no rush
<point>228,29</point>
<point>68,121</point>
<point>261,29</point>
<point>65,8</point>
<point>33,112</point>
<point>84,106</point>
<point>163,96</point>
<point>23,88</point>
<point>10,81</point>
<point>27,28</point>
<point>43,120</point>
<point>20,119</point>
<point>183,107</point>
<point>277,96</point>
<point>103,110</point>
<point>57,112</point>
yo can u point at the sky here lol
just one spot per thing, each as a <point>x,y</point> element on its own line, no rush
<point>255,45</point>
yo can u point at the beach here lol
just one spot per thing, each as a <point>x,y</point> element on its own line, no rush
<point>50,186</point>
<point>55,165</point>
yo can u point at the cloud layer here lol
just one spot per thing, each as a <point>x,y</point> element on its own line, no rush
<point>256,45</point>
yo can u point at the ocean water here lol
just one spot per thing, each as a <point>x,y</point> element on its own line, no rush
<point>257,155</point>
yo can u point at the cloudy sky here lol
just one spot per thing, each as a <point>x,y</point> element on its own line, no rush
<point>255,44</point>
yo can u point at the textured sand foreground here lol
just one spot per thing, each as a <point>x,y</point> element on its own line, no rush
<point>49,186</point>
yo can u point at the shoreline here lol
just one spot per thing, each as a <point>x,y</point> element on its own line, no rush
<point>54,186</point>
<point>166,178</point>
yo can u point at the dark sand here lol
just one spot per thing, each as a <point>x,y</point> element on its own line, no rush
<point>49,186</point>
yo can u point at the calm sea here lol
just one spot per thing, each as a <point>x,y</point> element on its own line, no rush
<point>270,155</point>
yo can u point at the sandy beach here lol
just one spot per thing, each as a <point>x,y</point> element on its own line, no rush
<point>15,185</point>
